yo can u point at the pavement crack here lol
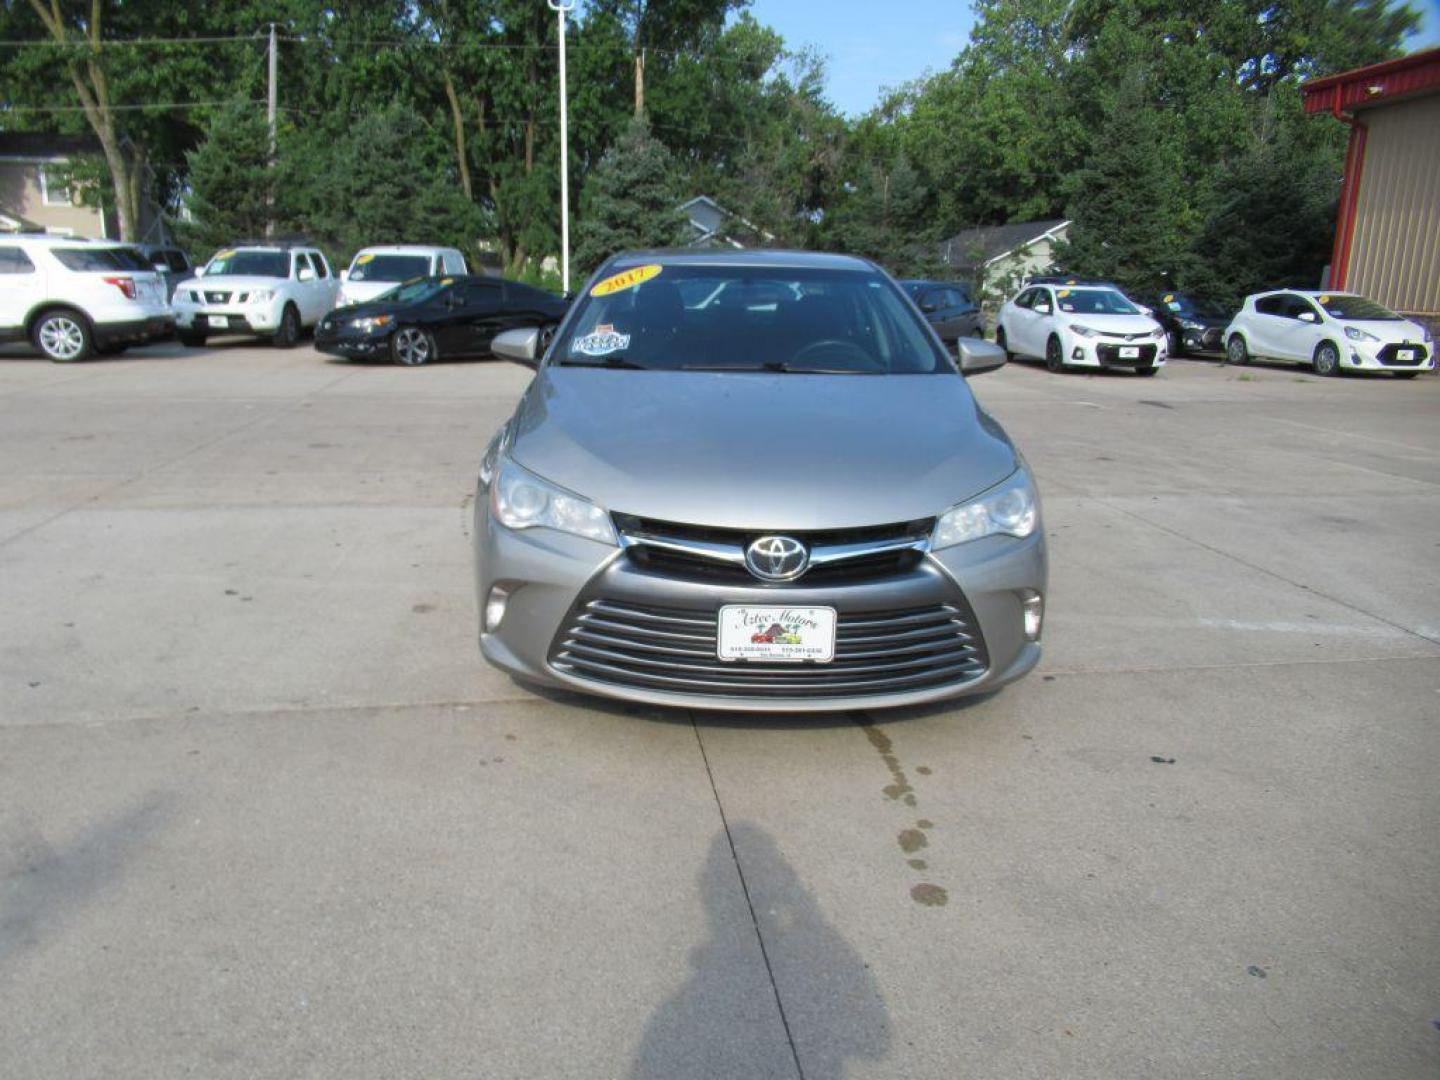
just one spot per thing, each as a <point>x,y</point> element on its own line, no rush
<point>749,901</point>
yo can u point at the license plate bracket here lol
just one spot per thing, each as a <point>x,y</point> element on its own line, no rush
<point>1129,352</point>
<point>750,632</point>
<point>218,322</point>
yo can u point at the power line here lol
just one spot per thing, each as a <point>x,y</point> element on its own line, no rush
<point>112,43</point>
<point>5,110</point>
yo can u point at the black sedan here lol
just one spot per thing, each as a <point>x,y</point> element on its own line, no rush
<point>1193,323</point>
<point>436,318</point>
<point>948,307</point>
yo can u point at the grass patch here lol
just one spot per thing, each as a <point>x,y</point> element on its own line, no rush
<point>1247,378</point>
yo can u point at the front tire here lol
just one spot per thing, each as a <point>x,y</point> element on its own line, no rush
<point>411,347</point>
<point>63,336</point>
<point>1326,360</point>
<point>1235,351</point>
<point>1406,374</point>
<point>1000,340</point>
<point>288,332</point>
<point>1054,355</point>
<point>1147,371</point>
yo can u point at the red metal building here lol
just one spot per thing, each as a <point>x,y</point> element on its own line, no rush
<point>1387,236</point>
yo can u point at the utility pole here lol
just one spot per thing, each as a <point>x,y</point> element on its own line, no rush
<point>561,9</point>
<point>270,118</point>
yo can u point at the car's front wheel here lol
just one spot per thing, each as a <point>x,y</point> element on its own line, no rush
<point>1235,350</point>
<point>191,339</point>
<point>1054,354</point>
<point>412,347</point>
<point>1326,360</point>
<point>1000,340</point>
<point>289,331</point>
<point>1406,374</point>
<point>1146,370</point>
<point>63,336</point>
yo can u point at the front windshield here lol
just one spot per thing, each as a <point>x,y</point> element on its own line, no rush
<point>389,267</point>
<point>1194,305</point>
<point>274,264</point>
<point>1094,302</point>
<point>1355,307</point>
<point>414,291</point>
<point>749,318</point>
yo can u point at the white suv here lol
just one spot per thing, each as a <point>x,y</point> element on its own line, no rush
<point>264,290</point>
<point>375,270</point>
<point>74,298</point>
<point>1330,331</point>
<point>1081,326</point>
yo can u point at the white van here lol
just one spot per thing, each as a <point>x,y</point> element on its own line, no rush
<point>375,270</point>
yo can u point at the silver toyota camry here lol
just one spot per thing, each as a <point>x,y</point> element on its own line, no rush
<point>755,480</point>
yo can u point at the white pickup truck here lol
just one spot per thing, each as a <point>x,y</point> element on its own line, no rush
<point>261,290</point>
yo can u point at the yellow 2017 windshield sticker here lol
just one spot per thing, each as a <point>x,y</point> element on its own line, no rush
<point>228,253</point>
<point>363,259</point>
<point>626,279</point>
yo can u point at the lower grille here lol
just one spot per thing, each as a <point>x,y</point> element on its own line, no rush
<point>1390,355</point>
<point>876,652</point>
<point>1110,354</point>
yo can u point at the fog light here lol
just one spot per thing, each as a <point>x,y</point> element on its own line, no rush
<point>495,607</point>
<point>1033,604</point>
<point>1077,353</point>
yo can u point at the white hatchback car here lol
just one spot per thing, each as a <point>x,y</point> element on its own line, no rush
<point>1081,326</point>
<point>376,270</point>
<point>263,290</point>
<point>1330,331</point>
<point>74,298</point>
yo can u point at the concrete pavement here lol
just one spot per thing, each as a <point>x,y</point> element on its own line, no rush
<point>263,813</point>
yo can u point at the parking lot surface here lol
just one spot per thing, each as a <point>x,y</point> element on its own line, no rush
<point>264,812</point>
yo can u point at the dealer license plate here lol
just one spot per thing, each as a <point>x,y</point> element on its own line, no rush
<point>219,322</point>
<point>777,633</point>
<point>1405,354</point>
<point>1129,352</point>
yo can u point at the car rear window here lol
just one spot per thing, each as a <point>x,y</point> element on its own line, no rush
<point>1355,307</point>
<point>87,260</point>
<point>389,267</point>
<point>750,318</point>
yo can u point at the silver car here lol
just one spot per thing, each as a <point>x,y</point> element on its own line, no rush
<point>755,480</point>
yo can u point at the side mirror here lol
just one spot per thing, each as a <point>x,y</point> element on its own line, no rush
<point>928,306</point>
<point>306,274</point>
<point>1042,309</point>
<point>978,357</point>
<point>1307,316</point>
<point>522,345</point>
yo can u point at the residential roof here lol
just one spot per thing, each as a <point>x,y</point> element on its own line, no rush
<point>1378,84</point>
<point>40,144</point>
<point>975,247</point>
<point>759,257</point>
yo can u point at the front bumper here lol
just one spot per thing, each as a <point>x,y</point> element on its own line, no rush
<point>1204,339</point>
<point>1109,353</point>
<point>355,346</point>
<point>237,318</point>
<point>552,577</point>
<point>1387,356</point>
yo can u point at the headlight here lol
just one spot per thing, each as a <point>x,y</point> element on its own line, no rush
<point>262,296</point>
<point>370,325</point>
<point>1084,331</point>
<point>1356,334</point>
<point>1009,507</point>
<point>1159,333</point>
<point>521,500</point>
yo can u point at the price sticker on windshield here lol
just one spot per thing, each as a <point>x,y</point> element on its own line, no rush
<point>627,279</point>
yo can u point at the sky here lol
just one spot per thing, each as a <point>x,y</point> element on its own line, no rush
<point>872,44</point>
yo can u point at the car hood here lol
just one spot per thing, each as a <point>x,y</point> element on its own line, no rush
<point>361,311</point>
<point>358,291</point>
<point>1389,330</point>
<point>1112,324</point>
<point>761,451</point>
<point>230,283</point>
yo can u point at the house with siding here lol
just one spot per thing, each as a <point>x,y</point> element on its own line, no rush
<point>34,196</point>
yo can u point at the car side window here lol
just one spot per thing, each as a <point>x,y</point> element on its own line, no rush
<point>322,269</point>
<point>1297,307</point>
<point>1270,305</point>
<point>1042,298</point>
<point>299,261</point>
<point>14,261</point>
<point>952,298</point>
<point>176,261</point>
<point>1023,300</point>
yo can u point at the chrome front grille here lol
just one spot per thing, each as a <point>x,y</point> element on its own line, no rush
<point>704,553</point>
<point>667,648</point>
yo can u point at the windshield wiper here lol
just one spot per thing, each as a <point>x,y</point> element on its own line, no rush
<point>606,362</point>
<point>777,366</point>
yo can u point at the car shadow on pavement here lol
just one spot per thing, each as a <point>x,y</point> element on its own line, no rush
<point>825,1006</point>
<point>42,885</point>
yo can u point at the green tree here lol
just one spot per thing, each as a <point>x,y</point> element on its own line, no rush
<point>630,200</point>
<point>231,183</point>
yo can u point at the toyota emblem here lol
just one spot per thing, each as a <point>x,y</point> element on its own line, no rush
<point>777,558</point>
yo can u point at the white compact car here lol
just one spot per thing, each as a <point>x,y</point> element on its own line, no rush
<point>376,270</point>
<point>1079,326</point>
<point>74,298</point>
<point>1330,331</point>
<point>263,290</point>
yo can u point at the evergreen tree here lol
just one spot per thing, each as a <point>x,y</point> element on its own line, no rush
<point>1128,211</point>
<point>230,182</point>
<point>630,200</point>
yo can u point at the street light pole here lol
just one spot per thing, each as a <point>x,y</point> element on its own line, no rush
<point>561,9</point>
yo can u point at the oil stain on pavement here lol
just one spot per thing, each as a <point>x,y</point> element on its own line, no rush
<point>900,789</point>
